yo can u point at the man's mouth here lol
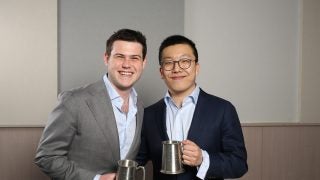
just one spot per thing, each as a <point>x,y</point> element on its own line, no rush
<point>125,73</point>
<point>177,77</point>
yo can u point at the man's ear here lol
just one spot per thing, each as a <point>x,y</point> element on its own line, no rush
<point>161,72</point>
<point>105,58</point>
<point>144,63</point>
<point>197,69</point>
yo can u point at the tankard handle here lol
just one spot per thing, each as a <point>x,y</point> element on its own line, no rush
<point>143,172</point>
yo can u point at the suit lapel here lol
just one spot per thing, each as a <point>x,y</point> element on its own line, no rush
<point>198,118</point>
<point>161,120</point>
<point>136,139</point>
<point>102,110</point>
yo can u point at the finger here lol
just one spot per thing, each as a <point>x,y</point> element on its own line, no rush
<point>187,142</point>
<point>188,152</point>
<point>186,162</point>
<point>189,162</point>
<point>193,156</point>
<point>191,148</point>
<point>188,158</point>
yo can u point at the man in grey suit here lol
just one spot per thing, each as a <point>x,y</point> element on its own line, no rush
<point>94,126</point>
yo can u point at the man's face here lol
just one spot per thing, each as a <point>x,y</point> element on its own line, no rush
<point>124,64</point>
<point>181,78</point>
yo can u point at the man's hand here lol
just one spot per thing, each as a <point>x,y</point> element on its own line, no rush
<point>192,154</point>
<point>109,176</point>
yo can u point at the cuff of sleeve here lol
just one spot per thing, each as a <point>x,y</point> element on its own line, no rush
<point>202,170</point>
<point>97,177</point>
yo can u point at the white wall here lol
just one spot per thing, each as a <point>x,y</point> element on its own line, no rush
<point>249,54</point>
<point>30,76</point>
<point>28,58</point>
<point>85,25</point>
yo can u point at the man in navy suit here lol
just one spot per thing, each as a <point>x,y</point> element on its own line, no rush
<point>207,126</point>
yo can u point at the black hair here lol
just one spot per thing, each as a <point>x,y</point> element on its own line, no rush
<point>127,35</point>
<point>177,39</point>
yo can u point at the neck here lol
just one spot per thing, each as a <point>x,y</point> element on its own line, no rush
<point>125,105</point>
<point>178,101</point>
<point>178,97</point>
<point>124,94</point>
<point>125,97</point>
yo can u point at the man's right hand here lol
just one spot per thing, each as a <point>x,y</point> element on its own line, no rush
<point>109,176</point>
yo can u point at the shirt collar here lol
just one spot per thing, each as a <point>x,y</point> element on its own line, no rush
<point>193,96</point>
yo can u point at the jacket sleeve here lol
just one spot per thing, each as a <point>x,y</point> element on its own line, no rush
<point>52,151</point>
<point>231,161</point>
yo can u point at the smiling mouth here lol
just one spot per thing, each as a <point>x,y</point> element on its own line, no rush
<point>177,77</point>
<point>124,73</point>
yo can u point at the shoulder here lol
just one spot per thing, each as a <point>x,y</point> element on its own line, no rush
<point>206,98</point>
<point>79,93</point>
<point>156,106</point>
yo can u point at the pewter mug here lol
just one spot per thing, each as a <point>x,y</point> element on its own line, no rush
<point>171,157</point>
<point>127,170</point>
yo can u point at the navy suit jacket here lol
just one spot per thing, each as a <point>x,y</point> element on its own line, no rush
<point>215,128</point>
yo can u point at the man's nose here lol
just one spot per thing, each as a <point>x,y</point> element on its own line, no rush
<point>176,66</point>
<point>126,62</point>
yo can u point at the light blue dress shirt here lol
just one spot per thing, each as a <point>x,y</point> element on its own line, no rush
<point>178,121</point>
<point>126,122</point>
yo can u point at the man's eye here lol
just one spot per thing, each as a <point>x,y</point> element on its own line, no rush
<point>119,56</point>
<point>135,58</point>
<point>184,60</point>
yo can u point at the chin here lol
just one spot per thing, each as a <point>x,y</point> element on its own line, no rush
<point>177,90</point>
<point>125,86</point>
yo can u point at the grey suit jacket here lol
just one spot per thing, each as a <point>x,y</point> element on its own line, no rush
<point>80,139</point>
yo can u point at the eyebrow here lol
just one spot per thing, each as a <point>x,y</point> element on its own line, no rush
<point>183,56</point>
<point>133,55</point>
<point>136,56</point>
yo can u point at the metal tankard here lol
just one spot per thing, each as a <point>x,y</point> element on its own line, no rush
<point>172,157</point>
<point>127,170</point>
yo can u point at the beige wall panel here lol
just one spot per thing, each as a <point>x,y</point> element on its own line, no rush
<point>28,58</point>
<point>310,155</point>
<point>253,141</point>
<point>280,153</point>
<point>17,151</point>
